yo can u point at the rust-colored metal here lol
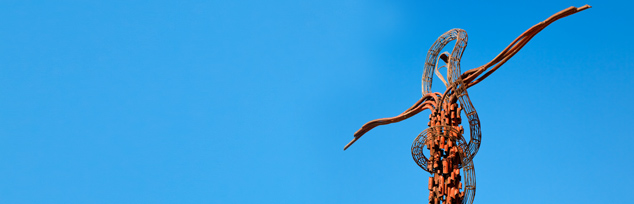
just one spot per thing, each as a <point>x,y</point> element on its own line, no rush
<point>449,152</point>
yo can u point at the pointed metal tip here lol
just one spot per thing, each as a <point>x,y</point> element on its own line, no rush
<point>584,7</point>
<point>350,143</point>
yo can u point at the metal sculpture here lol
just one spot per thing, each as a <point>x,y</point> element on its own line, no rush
<point>448,149</point>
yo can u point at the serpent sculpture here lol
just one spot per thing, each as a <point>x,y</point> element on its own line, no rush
<point>448,149</point>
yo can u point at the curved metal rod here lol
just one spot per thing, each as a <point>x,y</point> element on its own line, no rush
<point>445,57</point>
<point>470,76</point>
<point>422,104</point>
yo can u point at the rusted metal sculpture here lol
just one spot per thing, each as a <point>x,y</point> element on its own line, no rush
<point>449,152</point>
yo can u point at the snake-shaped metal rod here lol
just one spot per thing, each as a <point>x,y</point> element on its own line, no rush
<point>458,85</point>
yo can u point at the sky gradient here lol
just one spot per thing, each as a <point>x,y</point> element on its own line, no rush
<point>253,101</point>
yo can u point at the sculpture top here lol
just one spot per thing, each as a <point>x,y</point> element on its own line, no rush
<point>458,83</point>
<point>449,152</point>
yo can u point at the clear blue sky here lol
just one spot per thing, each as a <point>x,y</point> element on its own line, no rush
<point>253,101</point>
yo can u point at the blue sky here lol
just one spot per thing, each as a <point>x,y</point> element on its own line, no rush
<point>253,101</point>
